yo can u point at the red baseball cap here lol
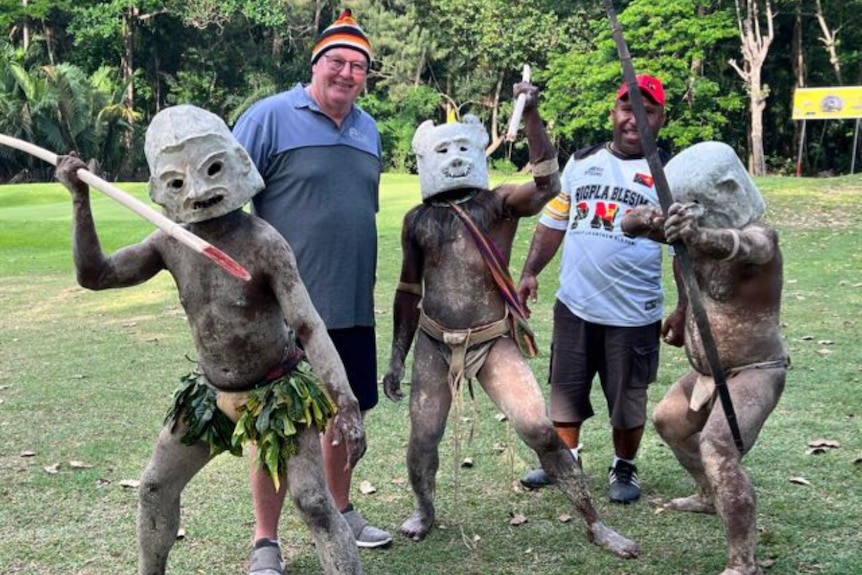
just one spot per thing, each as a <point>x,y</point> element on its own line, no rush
<point>650,86</point>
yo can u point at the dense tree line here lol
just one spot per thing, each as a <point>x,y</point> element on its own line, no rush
<point>88,75</point>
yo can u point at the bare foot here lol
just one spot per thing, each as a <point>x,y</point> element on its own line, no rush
<point>417,526</point>
<point>604,536</point>
<point>696,503</point>
<point>750,570</point>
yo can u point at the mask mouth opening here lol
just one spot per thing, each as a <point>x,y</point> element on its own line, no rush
<point>203,204</point>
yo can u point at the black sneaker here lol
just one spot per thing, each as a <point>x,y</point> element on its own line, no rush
<point>625,486</point>
<point>536,479</point>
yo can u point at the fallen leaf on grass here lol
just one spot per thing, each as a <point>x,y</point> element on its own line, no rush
<point>517,519</point>
<point>500,417</point>
<point>398,481</point>
<point>28,453</point>
<point>181,533</point>
<point>52,469</point>
<point>807,337</point>
<point>130,483</point>
<point>499,448</point>
<point>824,352</point>
<point>800,481</point>
<point>857,461</point>
<point>476,538</point>
<point>766,563</point>
<point>827,443</point>
<point>79,465</point>
<point>365,488</point>
<point>564,518</point>
<point>825,342</point>
<point>816,451</point>
<point>102,482</point>
<point>467,463</point>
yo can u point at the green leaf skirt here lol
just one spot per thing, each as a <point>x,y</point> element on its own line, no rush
<point>272,416</point>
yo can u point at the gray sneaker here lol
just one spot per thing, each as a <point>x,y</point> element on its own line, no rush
<point>536,479</point>
<point>367,536</point>
<point>266,558</point>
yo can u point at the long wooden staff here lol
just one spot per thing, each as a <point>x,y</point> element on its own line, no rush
<point>666,199</point>
<point>164,223</point>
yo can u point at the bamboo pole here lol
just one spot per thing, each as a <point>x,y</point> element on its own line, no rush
<point>518,111</point>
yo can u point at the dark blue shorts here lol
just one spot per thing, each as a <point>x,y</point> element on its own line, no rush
<point>357,348</point>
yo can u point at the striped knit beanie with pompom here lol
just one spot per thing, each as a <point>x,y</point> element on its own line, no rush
<point>343,33</point>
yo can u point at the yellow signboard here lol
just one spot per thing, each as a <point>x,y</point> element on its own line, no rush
<point>840,102</point>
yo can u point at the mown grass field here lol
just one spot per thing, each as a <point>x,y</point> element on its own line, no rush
<point>86,377</point>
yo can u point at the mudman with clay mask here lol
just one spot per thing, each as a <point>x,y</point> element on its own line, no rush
<point>718,214</point>
<point>456,299</point>
<point>252,382</point>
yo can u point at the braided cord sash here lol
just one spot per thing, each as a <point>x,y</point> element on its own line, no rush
<point>499,269</point>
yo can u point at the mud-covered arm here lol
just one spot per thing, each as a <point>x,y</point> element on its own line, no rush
<point>673,328</point>
<point>405,308</point>
<point>303,318</point>
<point>128,266</point>
<point>543,246</point>
<point>751,244</point>
<point>644,221</point>
<point>528,199</point>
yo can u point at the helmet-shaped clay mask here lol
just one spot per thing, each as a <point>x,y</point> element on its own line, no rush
<point>451,156</point>
<point>710,174</point>
<point>198,171</point>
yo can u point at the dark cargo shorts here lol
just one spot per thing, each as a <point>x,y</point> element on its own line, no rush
<point>625,359</point>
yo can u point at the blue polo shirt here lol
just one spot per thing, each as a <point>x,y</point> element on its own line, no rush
<point>322,194</point>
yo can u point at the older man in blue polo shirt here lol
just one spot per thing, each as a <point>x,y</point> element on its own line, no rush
<point>320,157</point>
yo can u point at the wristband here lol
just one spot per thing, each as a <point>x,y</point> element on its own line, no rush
<point>546,168</point>
<point>415,289</point>
<point>735,249</point>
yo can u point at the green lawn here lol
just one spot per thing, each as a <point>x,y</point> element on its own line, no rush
<point>86,377</point>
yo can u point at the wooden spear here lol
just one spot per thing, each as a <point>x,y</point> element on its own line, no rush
<point>650,150</point>
<point>164,223</point>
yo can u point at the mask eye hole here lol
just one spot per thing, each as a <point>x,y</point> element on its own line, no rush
<point>463,148</point>
<point>214,169</point>
<point>176,184</point>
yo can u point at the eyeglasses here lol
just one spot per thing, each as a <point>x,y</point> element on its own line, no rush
<point>336,64</point>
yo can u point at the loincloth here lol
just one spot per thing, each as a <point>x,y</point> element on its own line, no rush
<point>289,399</point>
<point>703,393</point>
<point>465,349</point>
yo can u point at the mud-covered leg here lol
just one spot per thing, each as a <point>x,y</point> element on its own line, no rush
<point>755,394</point>
<point>170,468</point>
<point>306,483</point>
<point>680,428</point>
<point>430,400</point>
<point>509,382</point>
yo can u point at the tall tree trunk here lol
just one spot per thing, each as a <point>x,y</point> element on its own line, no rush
<point>830,40</point>
<point>694,69</point>
<point>799,72</point>
<point>25,32</point>
<point>496,138</point>
<point>48,31</point>
<point>754,46</point>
